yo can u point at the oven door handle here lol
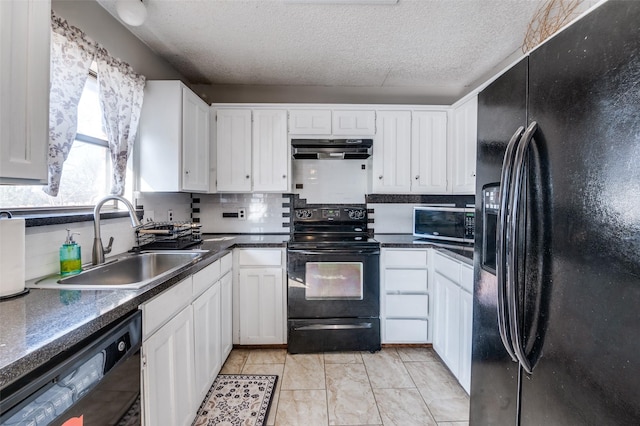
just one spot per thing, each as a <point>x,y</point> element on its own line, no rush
<point>375,251</point>
<point>359,326</point>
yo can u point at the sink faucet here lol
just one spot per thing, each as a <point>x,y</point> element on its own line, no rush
<point>97,256</point>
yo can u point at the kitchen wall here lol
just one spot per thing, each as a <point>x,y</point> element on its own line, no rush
<point>42,243</point>
<point>332,181</point>
<point>265,213</point>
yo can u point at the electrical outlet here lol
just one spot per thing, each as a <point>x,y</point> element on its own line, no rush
<point>242,213</point>
<point>170,215</point>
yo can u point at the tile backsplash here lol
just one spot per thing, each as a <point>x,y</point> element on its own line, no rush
<point>332,181</point>
<point>265,213</point>
<point>42,243</point>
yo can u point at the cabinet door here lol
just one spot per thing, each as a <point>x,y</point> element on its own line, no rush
<point>392,152</point>
<point>195,142</point>
<point>451,299</point>
<point>466,327</point>
<point>429,152</point>
<point>270,151</point>
<point>226,312</point>
<point>354,123</point>
<point>261,304</point>
<point>233,145</point>
<point>207,338</point>
<point>168,373</point>
<point>310,122</point>
<point>438,316</point>
<point>24,84</point>
<point>463,147</point>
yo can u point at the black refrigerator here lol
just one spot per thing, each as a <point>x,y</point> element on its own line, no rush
<point>556,307</point>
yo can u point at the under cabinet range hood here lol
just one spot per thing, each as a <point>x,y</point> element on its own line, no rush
<point>331,149</point>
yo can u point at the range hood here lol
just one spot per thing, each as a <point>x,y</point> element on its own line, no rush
<point>331,149</point>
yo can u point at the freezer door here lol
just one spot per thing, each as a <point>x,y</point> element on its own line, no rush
<point>494,376</point>
<point>584,94</point>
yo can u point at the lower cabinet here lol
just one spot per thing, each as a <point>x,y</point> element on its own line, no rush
<point>261,297</point>
<point>186,339</point>
<point>207,337</point>
<point>168,373</point>
<point>453,306</point>
<point>404,296</point>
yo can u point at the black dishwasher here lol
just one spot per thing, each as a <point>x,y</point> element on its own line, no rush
<point>97,382</point>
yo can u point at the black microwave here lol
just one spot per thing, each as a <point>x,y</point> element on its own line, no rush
<point>454,224</point>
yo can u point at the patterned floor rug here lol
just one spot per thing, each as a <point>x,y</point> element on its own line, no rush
<point>238,400</point>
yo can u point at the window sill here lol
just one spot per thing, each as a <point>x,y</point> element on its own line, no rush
<point>49,218</point>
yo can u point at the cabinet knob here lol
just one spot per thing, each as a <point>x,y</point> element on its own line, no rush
<point>186,172</point>
<point>284,176</point>
<point>247,176</point>
<point>417,177</point>
<point>380,177</point>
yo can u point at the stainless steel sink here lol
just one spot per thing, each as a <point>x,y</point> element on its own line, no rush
<point>131,271</point>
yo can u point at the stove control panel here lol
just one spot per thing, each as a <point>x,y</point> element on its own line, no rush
<point>331,214</point>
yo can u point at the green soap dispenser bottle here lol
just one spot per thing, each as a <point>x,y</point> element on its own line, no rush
<point>70,256</point>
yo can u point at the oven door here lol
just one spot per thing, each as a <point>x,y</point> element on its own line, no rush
<point>333,283</point>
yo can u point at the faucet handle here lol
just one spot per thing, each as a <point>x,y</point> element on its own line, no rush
<point>107,249</point>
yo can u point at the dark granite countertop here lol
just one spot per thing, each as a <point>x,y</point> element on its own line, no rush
<point>44,323</point>
<point>461,252</point>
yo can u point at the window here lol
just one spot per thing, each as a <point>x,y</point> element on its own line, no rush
<point>86,176</point>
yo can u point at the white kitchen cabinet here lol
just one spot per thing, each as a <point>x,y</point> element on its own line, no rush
<point>463,147</point>
<point>353,123</point>
<point>195,143</point>
<point>270,151</point>
<point>405,296</point>
<point>261,297</point>
<point>410,152</point>
<point>392,152</point>
<point>429,152</point>
<point>207,339</point>
<point>173,139</point>
<point>226,309</point>
<point>252,150</point>
<point>310,122</point>
<point>233,150</point>
<point>453,309</point>
<point>226,305</point>
<point>168,373</point>
<point>24,83</point>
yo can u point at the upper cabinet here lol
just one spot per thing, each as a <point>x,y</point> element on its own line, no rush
<point>24,84</point>
<point>173,139</point>
<point>463,147</point>
<point>392,153</point>
<point>252,150</point>
<point>410,152</point>
<point>310,122</point>
<point>332,123</point>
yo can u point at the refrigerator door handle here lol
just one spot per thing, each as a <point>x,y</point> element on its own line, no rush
<point>512,247</point>
<point>501,240</point>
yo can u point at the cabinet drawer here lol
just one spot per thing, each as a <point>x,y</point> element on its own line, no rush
<point>226,263</point>
<point>405,258</point>
<point>466,278</point>
<point>203,279</point>
<point>406,280</point>
<point>447,267</point>
<point>259,257</point>
<point>406,331</point>
<point>407,306</point>
<point>159,310</point>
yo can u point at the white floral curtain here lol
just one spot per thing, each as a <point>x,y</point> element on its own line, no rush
<point>120,91</point>
<point>71,57</point>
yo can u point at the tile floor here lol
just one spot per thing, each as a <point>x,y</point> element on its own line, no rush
<point>396,386</point>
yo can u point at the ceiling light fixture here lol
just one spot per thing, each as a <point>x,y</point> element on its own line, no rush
<point>132,12</point>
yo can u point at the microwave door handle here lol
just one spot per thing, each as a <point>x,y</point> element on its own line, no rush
<point>512,253</point>
<point>501,239</point>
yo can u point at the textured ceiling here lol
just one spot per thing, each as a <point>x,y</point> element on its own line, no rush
<point>444,45</point>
